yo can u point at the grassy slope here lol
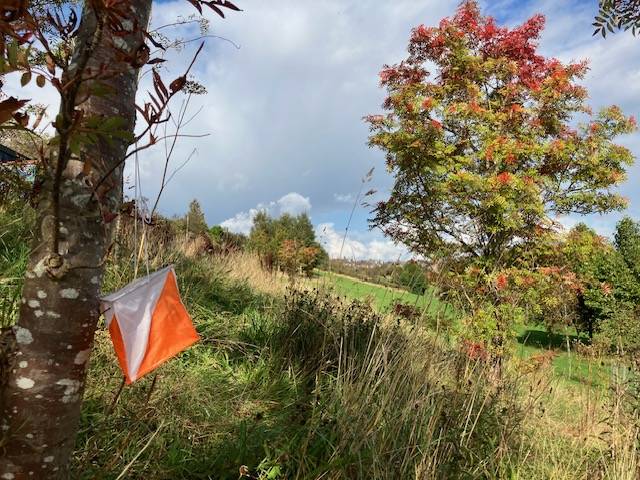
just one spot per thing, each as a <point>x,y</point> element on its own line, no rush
<point>225,403</point>
<point>383,298</point>
<point>532,340</point>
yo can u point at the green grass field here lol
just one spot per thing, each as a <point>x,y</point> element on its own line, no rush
<point>532,340</point>
<point>382,298</point>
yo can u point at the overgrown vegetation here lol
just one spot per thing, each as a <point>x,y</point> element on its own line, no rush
<point>305,385</point>
<point>510,349</point>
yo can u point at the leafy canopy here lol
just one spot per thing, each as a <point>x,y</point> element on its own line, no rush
<point>627,241</point>
<point>482,135</point>
<point>288,242</point>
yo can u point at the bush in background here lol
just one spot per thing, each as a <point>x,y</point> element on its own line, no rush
<point>412,277</point>
<point>287,243</point>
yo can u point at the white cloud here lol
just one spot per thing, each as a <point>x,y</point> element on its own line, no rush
<point>241,222</point>
<point>363,249</point>
<point>343,197</point>
<point>292,203</point>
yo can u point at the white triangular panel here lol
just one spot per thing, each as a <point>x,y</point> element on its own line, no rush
<point>133,307</point>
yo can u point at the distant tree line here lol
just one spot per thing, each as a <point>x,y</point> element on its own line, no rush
<point>411,275</point>
<point>286,243</point>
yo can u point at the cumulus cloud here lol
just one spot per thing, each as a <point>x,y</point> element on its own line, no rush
<point>358,249</point>
<point>292,203</point>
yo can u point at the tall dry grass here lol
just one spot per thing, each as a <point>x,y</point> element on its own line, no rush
<point>245,266</point>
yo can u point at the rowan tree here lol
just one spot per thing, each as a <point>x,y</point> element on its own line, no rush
<point>92,55</point>
<point>615,15</point>
<point>487,141</point>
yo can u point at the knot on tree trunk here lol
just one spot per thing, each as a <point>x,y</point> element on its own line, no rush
<point>56,266</point>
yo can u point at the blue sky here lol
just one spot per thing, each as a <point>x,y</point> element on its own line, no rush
<point>284,111</point>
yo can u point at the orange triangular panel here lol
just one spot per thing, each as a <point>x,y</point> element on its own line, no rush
<point>171,328</point>
<point>118,346</point>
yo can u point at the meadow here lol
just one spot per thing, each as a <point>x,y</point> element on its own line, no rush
<point>316,378</point>
<point>533,341</point>
<point>382,298</point>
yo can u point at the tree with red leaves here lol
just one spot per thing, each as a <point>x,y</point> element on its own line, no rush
<point>486,147</point>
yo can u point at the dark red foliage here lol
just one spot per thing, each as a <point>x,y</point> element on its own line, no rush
<point>488,40</point>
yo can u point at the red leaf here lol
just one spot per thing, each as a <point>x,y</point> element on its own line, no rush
<point>504,178</point>
<point>229,5</point>
<point>157,103</point>
<point>178,84</point>
<point>153,41</point>
<point>9,106</point>
<point>158,84</point>
<point>502,281</point>
<point>215,9</point>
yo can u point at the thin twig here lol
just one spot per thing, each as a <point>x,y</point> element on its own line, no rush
<point>117,396</point>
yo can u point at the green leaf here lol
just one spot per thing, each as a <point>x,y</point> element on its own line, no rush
<point>113,123</point>
<point>12,54</point>
<point>274,473</point>
<point>75,144</point>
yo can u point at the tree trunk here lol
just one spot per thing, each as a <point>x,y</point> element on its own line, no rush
<point>46,360</point>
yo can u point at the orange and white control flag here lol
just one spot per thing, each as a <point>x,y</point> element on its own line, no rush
<point>148,323</point>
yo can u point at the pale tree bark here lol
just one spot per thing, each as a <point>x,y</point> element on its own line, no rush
<point>47,352</point>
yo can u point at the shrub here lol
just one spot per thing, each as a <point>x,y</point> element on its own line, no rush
<point>412,277</point>
<point>225,241</point>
